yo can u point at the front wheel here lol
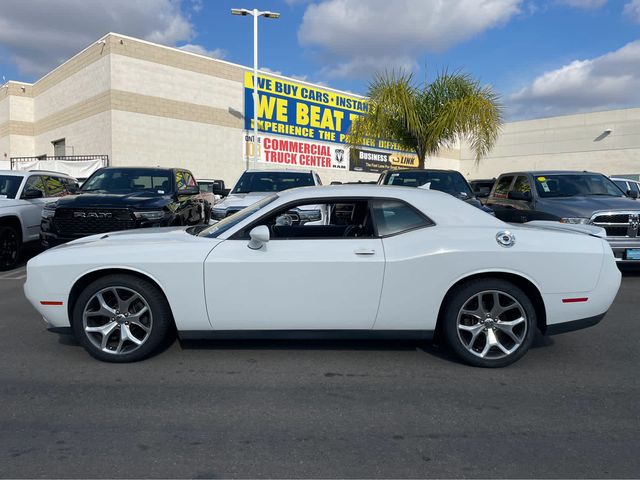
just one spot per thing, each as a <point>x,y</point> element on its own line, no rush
<point>489,322</point>
<point>122,318</point>
<point>9,248</point>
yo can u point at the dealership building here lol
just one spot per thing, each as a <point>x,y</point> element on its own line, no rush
<point>139,103</point>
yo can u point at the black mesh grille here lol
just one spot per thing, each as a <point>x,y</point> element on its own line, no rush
<point>613,218</point>
<point>616,231</point>
<point>79,222</point>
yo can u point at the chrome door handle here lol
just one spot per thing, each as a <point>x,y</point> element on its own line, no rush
<point>364,252</point>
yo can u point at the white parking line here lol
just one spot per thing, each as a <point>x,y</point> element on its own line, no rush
<point>19,274</point>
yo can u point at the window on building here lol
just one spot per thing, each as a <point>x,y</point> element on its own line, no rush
<point>59,147</point>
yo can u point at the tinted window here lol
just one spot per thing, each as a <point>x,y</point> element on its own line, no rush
<point>206,187</point>
<point>578,184</point>
<point>393,216</point>
<point>35,182</point>
<point>502,187</point>
<point>634,187</point>
<point>521,184</point>
<point>271,181</point>
<point>452,183</point>
<point>9,186</point>
<point>129,180</point>
<point>56,187</point>
<point>621,184</point>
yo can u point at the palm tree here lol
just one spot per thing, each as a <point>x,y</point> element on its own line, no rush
<point>426,118</point>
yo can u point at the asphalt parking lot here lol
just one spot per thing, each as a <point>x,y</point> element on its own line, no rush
<point>570,408</point>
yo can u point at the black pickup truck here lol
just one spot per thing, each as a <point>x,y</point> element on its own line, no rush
<point>122,198</point>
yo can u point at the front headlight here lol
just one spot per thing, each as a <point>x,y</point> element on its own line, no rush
<point>48,212</point>
<point>575,220</point>
<point>218,213</point>
<point>150,215</point>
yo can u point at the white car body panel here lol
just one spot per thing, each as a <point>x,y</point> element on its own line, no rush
<point>323,284</point>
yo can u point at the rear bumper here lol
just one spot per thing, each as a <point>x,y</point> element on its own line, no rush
<point>574,325</point>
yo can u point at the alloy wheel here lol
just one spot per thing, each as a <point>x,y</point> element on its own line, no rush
<point>492,324</point>
<point>117,320</point>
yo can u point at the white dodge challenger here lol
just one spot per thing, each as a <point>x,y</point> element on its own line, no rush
<point>389,262</point>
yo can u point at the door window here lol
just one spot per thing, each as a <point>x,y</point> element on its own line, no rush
<point>502,187</point>
<point>522,184</point>
<point>56,186</point>
<point>393,217</point>
<point>36,182</point>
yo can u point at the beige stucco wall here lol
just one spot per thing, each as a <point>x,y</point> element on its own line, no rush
<point>572,142</point>
<point>88,136</point>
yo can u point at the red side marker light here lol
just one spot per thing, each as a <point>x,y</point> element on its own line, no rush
<point>49,304</point>
<point>575,300</point>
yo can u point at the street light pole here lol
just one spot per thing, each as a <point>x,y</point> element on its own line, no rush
<point>255,13</point>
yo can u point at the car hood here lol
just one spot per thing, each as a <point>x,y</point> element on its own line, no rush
<point>101,200</point>
<point>585,206</point>
<point>162,235</point>
<point>10,202</point>
<point>241,199</point>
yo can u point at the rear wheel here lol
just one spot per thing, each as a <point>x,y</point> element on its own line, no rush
<point>489,322</point>
<point>122,318</point>
<point>9,247</point>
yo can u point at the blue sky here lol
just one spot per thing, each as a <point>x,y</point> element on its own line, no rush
<point>544,57</point>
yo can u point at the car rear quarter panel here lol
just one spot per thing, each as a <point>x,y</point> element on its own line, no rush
<point>422,266</point>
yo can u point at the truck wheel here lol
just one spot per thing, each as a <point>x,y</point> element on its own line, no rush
<point>489,322</point>
<point>9,248</point>
<point>122,318</point>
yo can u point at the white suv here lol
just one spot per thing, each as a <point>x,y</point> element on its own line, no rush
<point>22,196</point>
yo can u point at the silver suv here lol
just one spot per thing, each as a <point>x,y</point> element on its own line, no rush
<point>22,197</point>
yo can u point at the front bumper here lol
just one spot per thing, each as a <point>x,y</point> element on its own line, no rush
<point>620,247</point>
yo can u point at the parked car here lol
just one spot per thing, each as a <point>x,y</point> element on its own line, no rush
<point>254,185</point>
<point>123,198</point>
<point>22,197</point>
<point>390,262</point>
<point>631,188</point>
<point>570,197</point>
<point>482,188</point>
<point>447,181</point>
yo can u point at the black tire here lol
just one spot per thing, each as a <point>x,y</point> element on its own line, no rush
<point>462,341</point>
<point>161,326</point>
<point>10,247</point>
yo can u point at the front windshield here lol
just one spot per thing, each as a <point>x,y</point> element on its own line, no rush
<point>9,185</point>
<point>452,183</point>
<point>576,184</point>
<point>226,223</point>
<point>128,180</point>
<point>271,181</point>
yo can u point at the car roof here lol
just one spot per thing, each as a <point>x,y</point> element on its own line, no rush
<point>624,179</point>
<point>162,169</point>
<point>548,172</point>
<point>26,173</point>
<point>441,207</point>
<point>278,170</point>
<point>403,170</point>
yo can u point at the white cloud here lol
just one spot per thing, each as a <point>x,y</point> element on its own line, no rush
<point>38,35</point>
<point>200,50</point>
<point>608,81</point>
<point>632,9</point>
<point>586,4</point>
<point>357,37</point>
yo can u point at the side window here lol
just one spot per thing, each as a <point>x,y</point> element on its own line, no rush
<point>35,182</point>
<point>522,184</point>
<point>184,179</point>
<point>634,187</point>
<point>393,217</point>
<point>318,181</point>
<point>56,186</point>
<point>341,218</point>
<point>502,187</point>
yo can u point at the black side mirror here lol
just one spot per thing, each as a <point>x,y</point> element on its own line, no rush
<point>73,188</point>
<point>632,194</point>
<point>483,194</point>
<point>218,188</point>
<point>189,191</point>
<point>31,193</point>
<point>516,195</point>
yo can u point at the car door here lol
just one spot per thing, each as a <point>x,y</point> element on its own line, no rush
<point>31,208</point>
<point>521,210</point>
<point>190,211</point>
<point>498,200</point>
<point>314,279</point>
